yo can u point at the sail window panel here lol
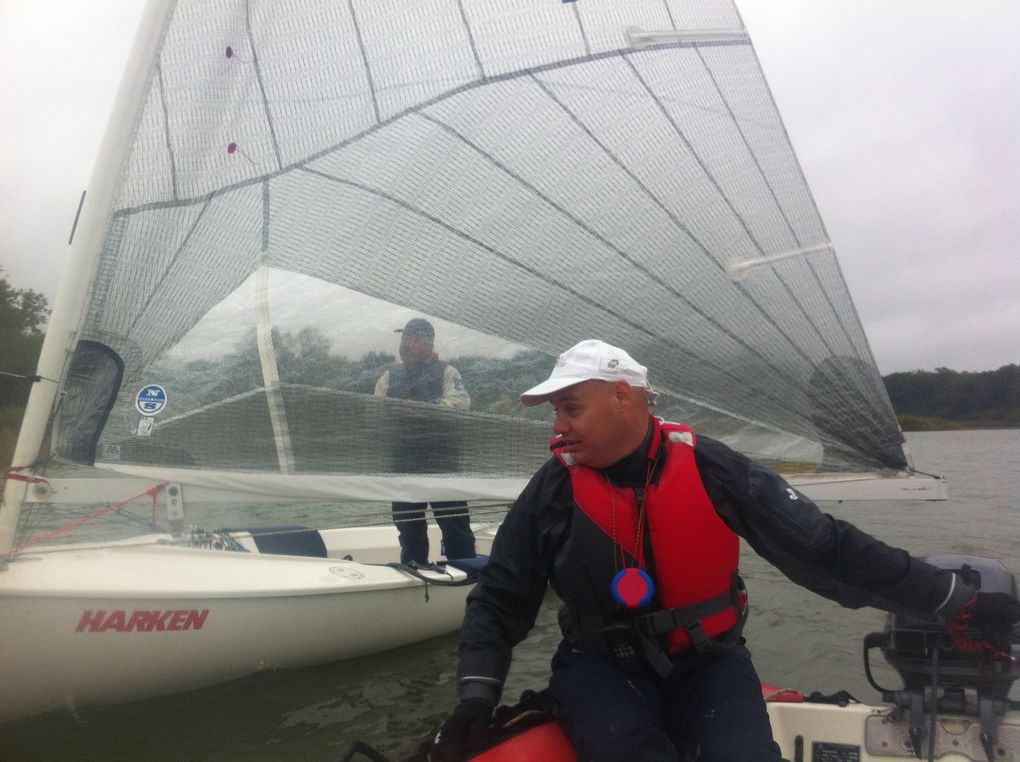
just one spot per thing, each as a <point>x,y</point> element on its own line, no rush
<point>310,314</point>
<point>340,432</point>
<point>414,58</point>
<point>231,434</point>
<point>318,90</point>
<point>228,330</point>
<point>331,347</point>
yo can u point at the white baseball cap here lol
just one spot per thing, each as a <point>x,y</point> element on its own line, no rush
<point>585,361</point>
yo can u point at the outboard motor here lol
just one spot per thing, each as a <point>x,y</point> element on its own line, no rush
<point>963,678</point>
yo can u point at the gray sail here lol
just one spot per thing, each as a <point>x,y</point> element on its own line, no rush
<point>304,178</point>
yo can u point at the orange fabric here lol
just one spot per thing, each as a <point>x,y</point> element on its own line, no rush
<point>544,742</point>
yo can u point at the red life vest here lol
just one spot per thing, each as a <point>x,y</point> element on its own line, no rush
<point>695,554</point>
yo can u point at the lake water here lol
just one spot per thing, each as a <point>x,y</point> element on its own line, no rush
<point>396,699</point>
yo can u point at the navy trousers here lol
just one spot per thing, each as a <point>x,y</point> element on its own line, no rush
<point>710,708</point>
<point>452,517</point>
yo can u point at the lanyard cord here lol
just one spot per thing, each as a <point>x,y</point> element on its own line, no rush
<point>619,555</point>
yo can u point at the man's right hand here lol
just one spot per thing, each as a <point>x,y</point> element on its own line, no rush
<point>463,731</point>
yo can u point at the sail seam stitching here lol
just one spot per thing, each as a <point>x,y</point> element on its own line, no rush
<point>166,131</point>
<point>580,27</point>
<point>170,266</point>
<point>725,198</point>
<point>471,40</point>
<point>508,77</point>
<point>594,234</point>
<point>782,213</point>
<point>364,59</point>
<point>262,87</point>
<point>672,217</point>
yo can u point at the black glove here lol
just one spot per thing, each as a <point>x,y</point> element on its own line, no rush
<point>462,732</point>
<point>994,613</point>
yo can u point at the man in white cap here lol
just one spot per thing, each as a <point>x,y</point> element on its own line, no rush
<point>635,523</point>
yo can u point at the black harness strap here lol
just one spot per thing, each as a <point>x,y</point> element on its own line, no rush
<point>621,638</point>
<point>685,617</point>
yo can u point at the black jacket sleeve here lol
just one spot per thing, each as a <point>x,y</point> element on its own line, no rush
<point>826,555</point>
<point>502,608</point>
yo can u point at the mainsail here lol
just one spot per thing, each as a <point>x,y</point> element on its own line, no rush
<point>302,178</point>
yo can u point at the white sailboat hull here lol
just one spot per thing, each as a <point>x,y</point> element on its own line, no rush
<point>105,625</point>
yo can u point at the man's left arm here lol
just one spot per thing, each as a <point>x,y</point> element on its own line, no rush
<point>382,386</point>
<point>455,395</point>
<point>826,555</point>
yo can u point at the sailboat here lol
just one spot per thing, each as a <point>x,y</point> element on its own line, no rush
<point>203,482</point>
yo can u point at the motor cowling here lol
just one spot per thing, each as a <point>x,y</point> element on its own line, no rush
<point>916,647</point>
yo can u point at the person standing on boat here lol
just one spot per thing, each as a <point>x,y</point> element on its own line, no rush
<point>424,446</point>
<point>635,524</point>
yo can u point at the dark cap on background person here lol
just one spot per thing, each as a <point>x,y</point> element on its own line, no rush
<point>419,328</point>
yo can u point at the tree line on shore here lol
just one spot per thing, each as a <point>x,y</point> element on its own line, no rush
<point>944,398</point>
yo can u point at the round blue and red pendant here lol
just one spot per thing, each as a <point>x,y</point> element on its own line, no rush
<point>632,587</point>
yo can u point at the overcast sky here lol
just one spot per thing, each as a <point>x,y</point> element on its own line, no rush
<point>905,115</point>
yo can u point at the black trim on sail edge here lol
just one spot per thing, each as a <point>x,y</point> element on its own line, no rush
<point>93,381</point>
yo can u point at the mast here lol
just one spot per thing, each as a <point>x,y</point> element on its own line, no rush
<point>69,306</point>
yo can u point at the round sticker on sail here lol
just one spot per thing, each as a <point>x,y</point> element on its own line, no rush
<point>150,399</point>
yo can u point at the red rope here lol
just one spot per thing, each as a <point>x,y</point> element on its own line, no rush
<point>13,475</point>
<point>958,632</point>
<point>151,492</point>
